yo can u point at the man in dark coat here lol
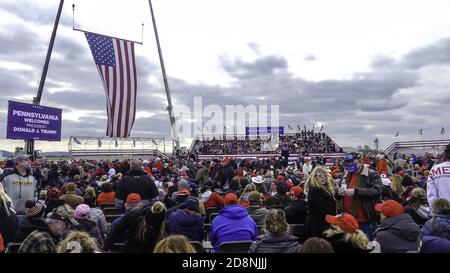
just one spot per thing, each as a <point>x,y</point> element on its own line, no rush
<point>136,181</point>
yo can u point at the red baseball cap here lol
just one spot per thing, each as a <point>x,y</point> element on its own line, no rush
<point>231,197</point>
<point>390,208</point>
<point>344,221</point>
<point>134,197</point>
<point>280,178</point>
<point>184,192</point>
<point>296,190</point>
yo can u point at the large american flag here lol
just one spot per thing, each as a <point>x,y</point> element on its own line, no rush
<point>117,68</point>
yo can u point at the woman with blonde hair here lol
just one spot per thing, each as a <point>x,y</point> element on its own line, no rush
<point>78,242</point>
<point>345,235</point>
<point>243,197</point>
<point>397,186</point>
<point>8,219</point>
<point>174,244</point>
<point>320,189</point>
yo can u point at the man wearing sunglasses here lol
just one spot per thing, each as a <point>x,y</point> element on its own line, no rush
<point>362,192</point>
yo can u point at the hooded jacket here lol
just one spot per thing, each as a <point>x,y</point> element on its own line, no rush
<point>232,224</point>
<point>398,234</point>
<point>258,214</point>
<point>438,226</point>
<point>20,188</point>
<point>136,181</point>
<point>270,243</point>
<point>26,225</point>
<point>187,223</point>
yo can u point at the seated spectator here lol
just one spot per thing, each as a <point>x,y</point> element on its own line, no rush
<point>70,197</point>
<point>436,231</point>
<point>345,235</point>
<point>297,211</point>
<point>35,211</point>
<point>277,238</point>
<point>280,200</point>
<point>232,224</point>
<point>77,242</point>
<point>44,238</point>
<point>180,197</point>
<point>211,199</point>
<point>52,200</point>
<point>97,214</point>
<point>397,233</point>
<point>86,224</point>
<point>146,227</point>
<point>133,202</point>
<point>255,209</point>
<point>316,245</point>
<point>417,206</point>
<point>243,196</point>
<point>174,244</point>
<point>187,220</point>
<point>107,196</point>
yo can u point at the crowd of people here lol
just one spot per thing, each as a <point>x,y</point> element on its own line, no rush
<point>358,203</point>
<point>299,143</point>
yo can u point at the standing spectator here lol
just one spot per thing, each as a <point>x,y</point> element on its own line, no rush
<point>382,166</point>
<point>397,233</point>
<point>202,175</point>
<point>187,221</point>
<point>8,219</point>
<point>255,210</point>
<point>307,167</point>
<point>232,224</point>
<point>136,181</point>
<point>297,211</point>
<point>280,200</point>
<point>321,201</point>
<point>277,238</point>
<point>438,185</point>
<point>20,185</point>
<point>363,191</point>
<point>70,197</point>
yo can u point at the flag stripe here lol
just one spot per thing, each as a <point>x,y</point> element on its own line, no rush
<point>134,84</point>
<point>127,119</point>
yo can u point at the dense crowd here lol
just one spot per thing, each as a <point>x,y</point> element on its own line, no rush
<point>359,203</point>
<point>305,142</point>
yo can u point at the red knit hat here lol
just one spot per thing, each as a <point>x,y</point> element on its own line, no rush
<point>344,221</point>
<point>390,208</point>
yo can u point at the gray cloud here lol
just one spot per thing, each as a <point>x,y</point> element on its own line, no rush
<point>310,58</point>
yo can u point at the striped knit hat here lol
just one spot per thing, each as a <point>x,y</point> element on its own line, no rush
<point>34,209</point>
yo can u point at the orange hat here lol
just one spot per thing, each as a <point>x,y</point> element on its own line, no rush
<point>184,192</point>
<point>297,191</point>
<point>390,208</point>
<point>134,197</point>
<point>229,197</point>
<point>344,221</point>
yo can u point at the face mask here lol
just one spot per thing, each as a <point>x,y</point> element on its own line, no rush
<point>352,167</point>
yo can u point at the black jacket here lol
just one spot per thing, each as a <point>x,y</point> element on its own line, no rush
<point>279,201</point>
<point>398,234</point>
<point>27,225</point>
<point>320,203</point>
<point>136,181</point>
<point>341,246</point>
<point>296,212</point>
<point>269,243</point>
<point>227,174</point>
<point>8,223</point>
<point>368,192</point>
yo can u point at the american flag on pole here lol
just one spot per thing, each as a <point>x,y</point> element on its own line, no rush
<point>117,68</point>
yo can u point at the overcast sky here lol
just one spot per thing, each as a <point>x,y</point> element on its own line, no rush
<point>364,69</point>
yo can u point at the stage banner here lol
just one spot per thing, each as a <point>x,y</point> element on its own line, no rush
<point>33,122</point>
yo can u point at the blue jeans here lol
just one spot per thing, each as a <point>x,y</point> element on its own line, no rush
<point>368,229</point>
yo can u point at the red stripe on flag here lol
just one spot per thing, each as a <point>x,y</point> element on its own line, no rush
<point>119,51</point>
<point>135,83</point>
<point>127,119</point>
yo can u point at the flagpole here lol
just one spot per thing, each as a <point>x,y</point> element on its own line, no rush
<point>166,84</point>
<point>29,144</point>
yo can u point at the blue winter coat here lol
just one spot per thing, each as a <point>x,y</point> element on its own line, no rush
<point>232,224</point>
<point>436,234</point>
<point>187,223</point>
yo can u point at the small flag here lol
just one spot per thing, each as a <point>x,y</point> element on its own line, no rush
<point>442,131</point>
<point>290,127</point>
<point>117,143</point>
<point>420,132</point>
<point>304,126</point>
<point>321,128</point>
<point>313,128</point>
<point>298,127</point>
<point>76,140</point>
<point>154,142</point>
<point>134,142</point>
<point>99,143</point>
<point>224,128</point>
<point>397,134</point>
